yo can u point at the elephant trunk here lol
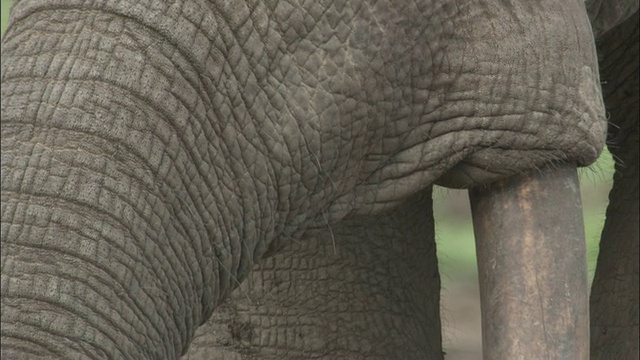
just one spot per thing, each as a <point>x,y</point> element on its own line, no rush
<point>532,266</point>
<point>122,222</point>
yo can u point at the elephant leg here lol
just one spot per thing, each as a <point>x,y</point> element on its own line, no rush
<point>366,289</point>
<point>614,295</point>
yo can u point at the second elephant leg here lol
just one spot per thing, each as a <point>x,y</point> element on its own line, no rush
<point>614,294</point>
<point>367,289</point>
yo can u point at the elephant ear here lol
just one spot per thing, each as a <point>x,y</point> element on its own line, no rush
<point>607,14</point>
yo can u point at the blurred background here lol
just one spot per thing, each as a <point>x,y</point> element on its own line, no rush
<point>456,250</point>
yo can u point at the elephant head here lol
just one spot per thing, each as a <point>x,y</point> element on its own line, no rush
<point>152,153</point>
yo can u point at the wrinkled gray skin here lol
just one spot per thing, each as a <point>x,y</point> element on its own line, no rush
<point>152,154</point>
<point>358,300</point>
<point>270,317</point>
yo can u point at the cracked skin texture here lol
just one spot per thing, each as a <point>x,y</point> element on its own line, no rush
<point>335,296</point>
<point>614,308</point>
<point>158,151</point>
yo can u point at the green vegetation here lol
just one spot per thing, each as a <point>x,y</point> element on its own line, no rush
<point>454,232</point>
<point>6,5</point>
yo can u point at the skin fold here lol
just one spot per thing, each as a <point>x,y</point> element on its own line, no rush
<point>152,154</point>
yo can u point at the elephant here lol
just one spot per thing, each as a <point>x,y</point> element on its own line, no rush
<point>614,304</point>
<point>153,154</point>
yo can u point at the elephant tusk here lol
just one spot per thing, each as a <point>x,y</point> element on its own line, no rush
<point>532,266</point>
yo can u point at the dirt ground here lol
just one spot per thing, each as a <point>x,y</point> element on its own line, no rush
<point>460,311</point>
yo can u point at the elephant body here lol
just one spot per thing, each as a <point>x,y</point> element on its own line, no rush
<point>153,153</point>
